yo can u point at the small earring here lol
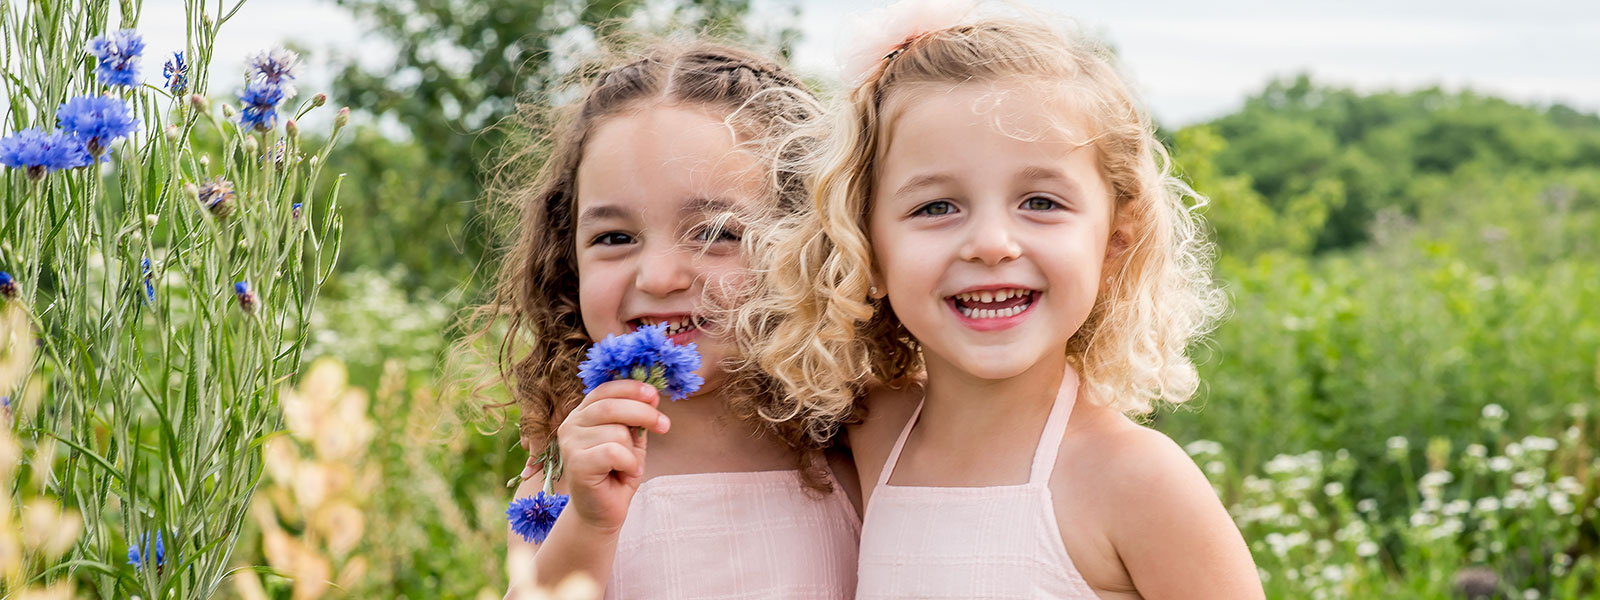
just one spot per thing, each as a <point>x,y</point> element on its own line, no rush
<point>872,290</point>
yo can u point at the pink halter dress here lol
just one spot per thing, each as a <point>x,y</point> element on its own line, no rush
<point>971,542</point>
<point>736,535</point>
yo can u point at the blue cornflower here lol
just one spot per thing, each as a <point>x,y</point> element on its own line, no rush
<point>646,355</point>
<point>149,287</point>
<point>294,211</point>
<point>96,121</point>
<point>177,73</point>
<point>259,100</point>
<point>39,153</point>
<point>118,52</point>
<point>5,406</point>
<point>139,558</point>
<point>532,517</point>
<point>247,298</point>
<point>276,67</point>
<point>8,286</point>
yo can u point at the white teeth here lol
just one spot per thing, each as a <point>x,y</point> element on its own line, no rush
<point>992,295</point>
<point>986,313</point>
<point>674,326</point>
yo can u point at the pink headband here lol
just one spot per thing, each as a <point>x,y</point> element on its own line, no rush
<point>884,32</point>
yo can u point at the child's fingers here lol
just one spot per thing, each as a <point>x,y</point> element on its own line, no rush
<point>622,388</point>
<point>616,411</point>
<point>608,457</point>
<point>585,438</point>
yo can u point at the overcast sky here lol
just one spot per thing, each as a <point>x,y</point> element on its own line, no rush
<point>1191,60</point>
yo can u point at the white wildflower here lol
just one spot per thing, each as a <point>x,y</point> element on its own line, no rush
<point>1199,447</point>
<point>1367,549</point>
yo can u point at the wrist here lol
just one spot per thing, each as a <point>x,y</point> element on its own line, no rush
<point>587,522</point>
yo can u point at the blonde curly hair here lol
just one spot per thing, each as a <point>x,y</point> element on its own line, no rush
<point>810,323</point>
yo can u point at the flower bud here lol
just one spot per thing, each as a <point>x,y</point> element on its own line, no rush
<point>8,286</point>
<point>247,298</point>
<point>205,163</point>
<point>343,118</point>
<point>200,103</point>
<point>192,190</point>
<point>151,220</point>
<point>291,129</point>
<point>319,100</point>
<point>217,196</point>
<point>244,243</point>
<point>228,111</point>
<point>251,146</point>
<point>173,133</point>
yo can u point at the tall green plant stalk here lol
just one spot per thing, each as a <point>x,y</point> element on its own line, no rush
<point>156,382</point>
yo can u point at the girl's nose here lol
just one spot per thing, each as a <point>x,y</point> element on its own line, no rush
<point>990,239</point>
<point>664,271</point>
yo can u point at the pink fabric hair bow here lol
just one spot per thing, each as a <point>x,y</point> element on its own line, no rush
<point>879,33</point>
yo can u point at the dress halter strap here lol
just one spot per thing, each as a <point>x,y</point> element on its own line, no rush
<point>1044,456</point>
<point>1055,427</point>
<point>894,455</point>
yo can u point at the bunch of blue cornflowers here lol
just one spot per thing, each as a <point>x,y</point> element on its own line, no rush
<point>87,125</point>
<point>646,355</point>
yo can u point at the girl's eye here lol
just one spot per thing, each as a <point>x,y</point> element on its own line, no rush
<point>716,234</point>
<point>1040,203</point>
<point>611,238</point>
<point>937,208</point>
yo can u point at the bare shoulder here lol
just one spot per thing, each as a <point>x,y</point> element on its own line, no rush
<point>1127,461</point>
<point>871,440</point>
<point>1157,524</point>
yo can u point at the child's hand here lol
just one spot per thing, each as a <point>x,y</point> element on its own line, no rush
<point>602,458</point>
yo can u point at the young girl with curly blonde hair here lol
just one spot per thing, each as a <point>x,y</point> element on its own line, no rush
<point>992,209</point>
<point>634,220</point>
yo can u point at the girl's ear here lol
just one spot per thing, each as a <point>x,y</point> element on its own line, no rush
<point>1118,243</point>
<point>875,287</point>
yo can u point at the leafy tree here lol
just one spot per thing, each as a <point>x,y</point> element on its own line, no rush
<point>1359,152</point>
<point>1242,222</point>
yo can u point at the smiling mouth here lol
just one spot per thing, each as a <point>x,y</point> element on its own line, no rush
<point>675,325</point>
<point>993,304</point>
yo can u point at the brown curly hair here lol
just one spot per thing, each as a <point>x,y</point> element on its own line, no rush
<point>533,312</point>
